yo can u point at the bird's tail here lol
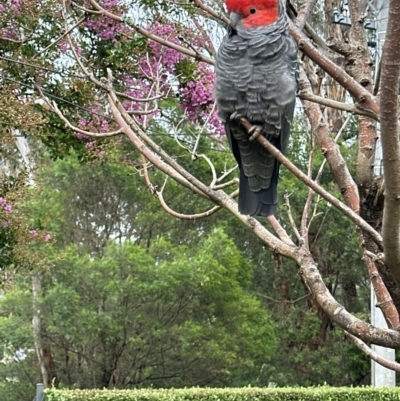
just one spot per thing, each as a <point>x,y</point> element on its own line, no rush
<point>261,203</point>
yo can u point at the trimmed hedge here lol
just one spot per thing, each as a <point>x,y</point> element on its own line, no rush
<point>230,394</point>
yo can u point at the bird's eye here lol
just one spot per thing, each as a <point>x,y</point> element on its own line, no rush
<point>253,10</point>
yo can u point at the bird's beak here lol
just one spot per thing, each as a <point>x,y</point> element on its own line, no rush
<point>234,19</point>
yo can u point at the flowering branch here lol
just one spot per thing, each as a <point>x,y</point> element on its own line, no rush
<point>152,36</point>
<point>55,108</point>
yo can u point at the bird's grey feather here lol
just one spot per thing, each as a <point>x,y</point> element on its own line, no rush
<point>256,78</point>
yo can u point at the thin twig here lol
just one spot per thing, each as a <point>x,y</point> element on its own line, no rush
<point>334,104</point>
<point>307,205</point>
<point>282,234</point>
<point>291,219</point>
<point>60,37</point>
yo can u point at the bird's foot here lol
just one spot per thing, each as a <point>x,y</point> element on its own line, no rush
<point>255,131</point>
<point>235,116</point>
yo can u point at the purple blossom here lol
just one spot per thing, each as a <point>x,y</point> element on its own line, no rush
<point>168,57</point>
<point>6,223</point>
<point>139,88</point>
<point>63,46</point>
<point>196,95</point>
<point>105,27</point>
<point>14,5</point>
<point>3,202</point>
<point>9,33</point>
<point>81,136</point>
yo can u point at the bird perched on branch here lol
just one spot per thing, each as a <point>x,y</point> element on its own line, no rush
<point>256,78</point>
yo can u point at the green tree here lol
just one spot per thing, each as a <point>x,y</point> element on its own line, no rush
<point>166,317</point>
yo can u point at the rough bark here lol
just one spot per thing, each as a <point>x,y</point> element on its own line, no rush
<point>390,140</point>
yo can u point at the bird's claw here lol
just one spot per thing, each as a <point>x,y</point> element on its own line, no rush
<point>235,115</point>
<point>255,131</point>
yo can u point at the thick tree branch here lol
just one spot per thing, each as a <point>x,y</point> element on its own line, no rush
<point>337,312</point>
<point>390,140</point>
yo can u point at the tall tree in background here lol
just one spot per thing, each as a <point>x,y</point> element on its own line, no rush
<point>111,74</point>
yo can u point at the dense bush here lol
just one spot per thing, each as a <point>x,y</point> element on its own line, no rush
<point>243,394</point>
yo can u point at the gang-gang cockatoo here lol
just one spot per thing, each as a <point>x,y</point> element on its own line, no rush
<point>256,78</point>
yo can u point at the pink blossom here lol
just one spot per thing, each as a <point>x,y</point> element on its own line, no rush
<point>198,94</point>
<point>3,202</point>
<point>47,238</point>
<point>14,5</point>
<point>63,46</point>
<point>105,27</point>
<point>33,233</point>
<point>101,153</point>
<point>9,33</point>
<point>8,209</point>
<point>89,145</point>
<point>81,136</point>
<point>168,57</point>
<point>139,88</point>
<point>6,223</point>
<point>1,8</point>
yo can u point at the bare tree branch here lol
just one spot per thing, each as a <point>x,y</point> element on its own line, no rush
<point>351,108</point>
<point>364,99</point>
<point>60,37</point>
<point>373,355</point>
<point>283,235</point>
<point>384,300</point>
<point>318,189</point>
<point>55,108</point>
<point>291,219</point>
<point>330,148</point>
<point>304,12</point>
<point>170,211</point>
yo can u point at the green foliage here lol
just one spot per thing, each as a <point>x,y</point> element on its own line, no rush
<point>229,394</point>
<point>164,316</point>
